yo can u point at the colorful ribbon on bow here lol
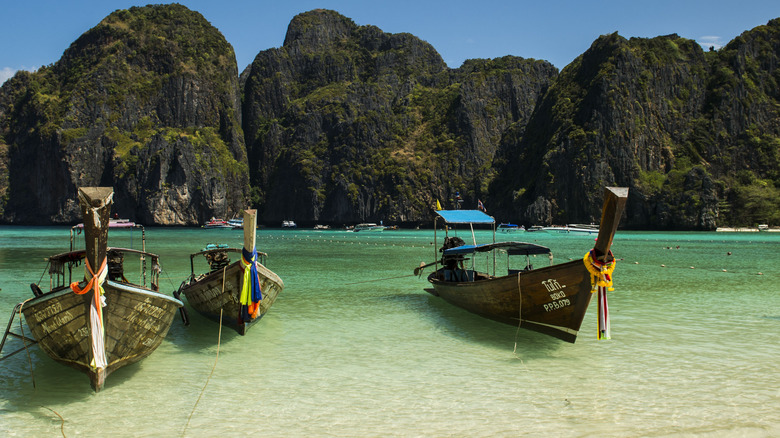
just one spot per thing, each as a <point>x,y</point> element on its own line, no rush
<point>97,331</point>
<point>601,281</point>
<point>251,294</point>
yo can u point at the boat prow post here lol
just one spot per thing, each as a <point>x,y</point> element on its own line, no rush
<point>95,205</point>
<point>611,212</point>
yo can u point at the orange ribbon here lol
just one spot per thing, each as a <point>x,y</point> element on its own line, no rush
<point>94,282</point>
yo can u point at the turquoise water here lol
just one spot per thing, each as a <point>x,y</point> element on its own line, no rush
<point>354,347</point>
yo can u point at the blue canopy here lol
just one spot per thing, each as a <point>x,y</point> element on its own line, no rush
<point>465,217</point>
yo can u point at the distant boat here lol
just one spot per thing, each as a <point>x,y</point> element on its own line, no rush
<point>510,228</point>
<point>368,227</point>
<point>550,300</point>
<point>117,223</point>
<point>289,224</point>
<point>100,321</point>
<point>535,229</point>
<point>573,229</point>
<point>236,293</point>
<point>214,223</point>
<point>321,227</point>
<point>236,223</point>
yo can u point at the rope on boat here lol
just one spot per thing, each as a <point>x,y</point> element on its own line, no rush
<point>519,317</point>
<point>24,342</point>
<point>219,339</point>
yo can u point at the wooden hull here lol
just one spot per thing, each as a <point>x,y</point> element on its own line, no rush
<point>208,296</point>
<point>550,300</point>
<point>135,320</point>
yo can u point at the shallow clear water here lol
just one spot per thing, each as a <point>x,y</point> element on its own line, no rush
<point>354,347</point>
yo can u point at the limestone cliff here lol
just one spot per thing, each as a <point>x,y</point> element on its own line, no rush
<point>347,123</point>
<point>695,135</point>
<point>147,102</point>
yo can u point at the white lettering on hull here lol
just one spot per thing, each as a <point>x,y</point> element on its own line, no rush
<point>557,295</point>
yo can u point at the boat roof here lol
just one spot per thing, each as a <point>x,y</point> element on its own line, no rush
<point>513,248</point>
<point>465,217</point>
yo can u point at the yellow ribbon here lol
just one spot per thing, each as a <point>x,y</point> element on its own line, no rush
<point>600,273</point>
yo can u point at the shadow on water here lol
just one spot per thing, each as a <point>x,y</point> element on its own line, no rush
<point>460,324</point>
<point>202,334</point>
<point>30,381</point>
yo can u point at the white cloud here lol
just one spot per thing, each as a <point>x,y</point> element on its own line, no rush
<point>710,41</point>
<point>6,73</point>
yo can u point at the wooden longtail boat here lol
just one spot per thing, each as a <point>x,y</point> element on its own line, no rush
<point>233,293</point>
<point>550,300</point>
<point>98,326</point>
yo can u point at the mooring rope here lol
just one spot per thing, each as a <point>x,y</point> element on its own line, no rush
<point>62,420</point>
<point>519,319</point>
<point>219,339</point>
<point>24,342</point>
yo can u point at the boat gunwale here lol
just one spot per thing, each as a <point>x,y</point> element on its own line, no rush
<point>127,287</point>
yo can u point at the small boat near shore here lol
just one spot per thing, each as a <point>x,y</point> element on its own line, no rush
<point>236,223</point>
<point>574,229</point>
<point>100,321</point>
<point>510,228</point>
<point>369,226</point>
<point>236,293</point>
<point>550,300</point>
<point>216,224</point>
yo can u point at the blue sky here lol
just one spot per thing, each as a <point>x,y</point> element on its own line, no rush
<point>36,32</point>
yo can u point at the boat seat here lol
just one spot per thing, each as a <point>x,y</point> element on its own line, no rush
<point>458,275</point>
<point>464,275</point>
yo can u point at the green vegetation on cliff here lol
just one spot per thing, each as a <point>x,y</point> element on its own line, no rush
<point>146,97</point>
<point>663,117</point>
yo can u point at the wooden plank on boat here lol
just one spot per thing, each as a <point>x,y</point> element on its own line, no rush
<point>250,229</point>
<point>614,203</point>
<point>95,205</point>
